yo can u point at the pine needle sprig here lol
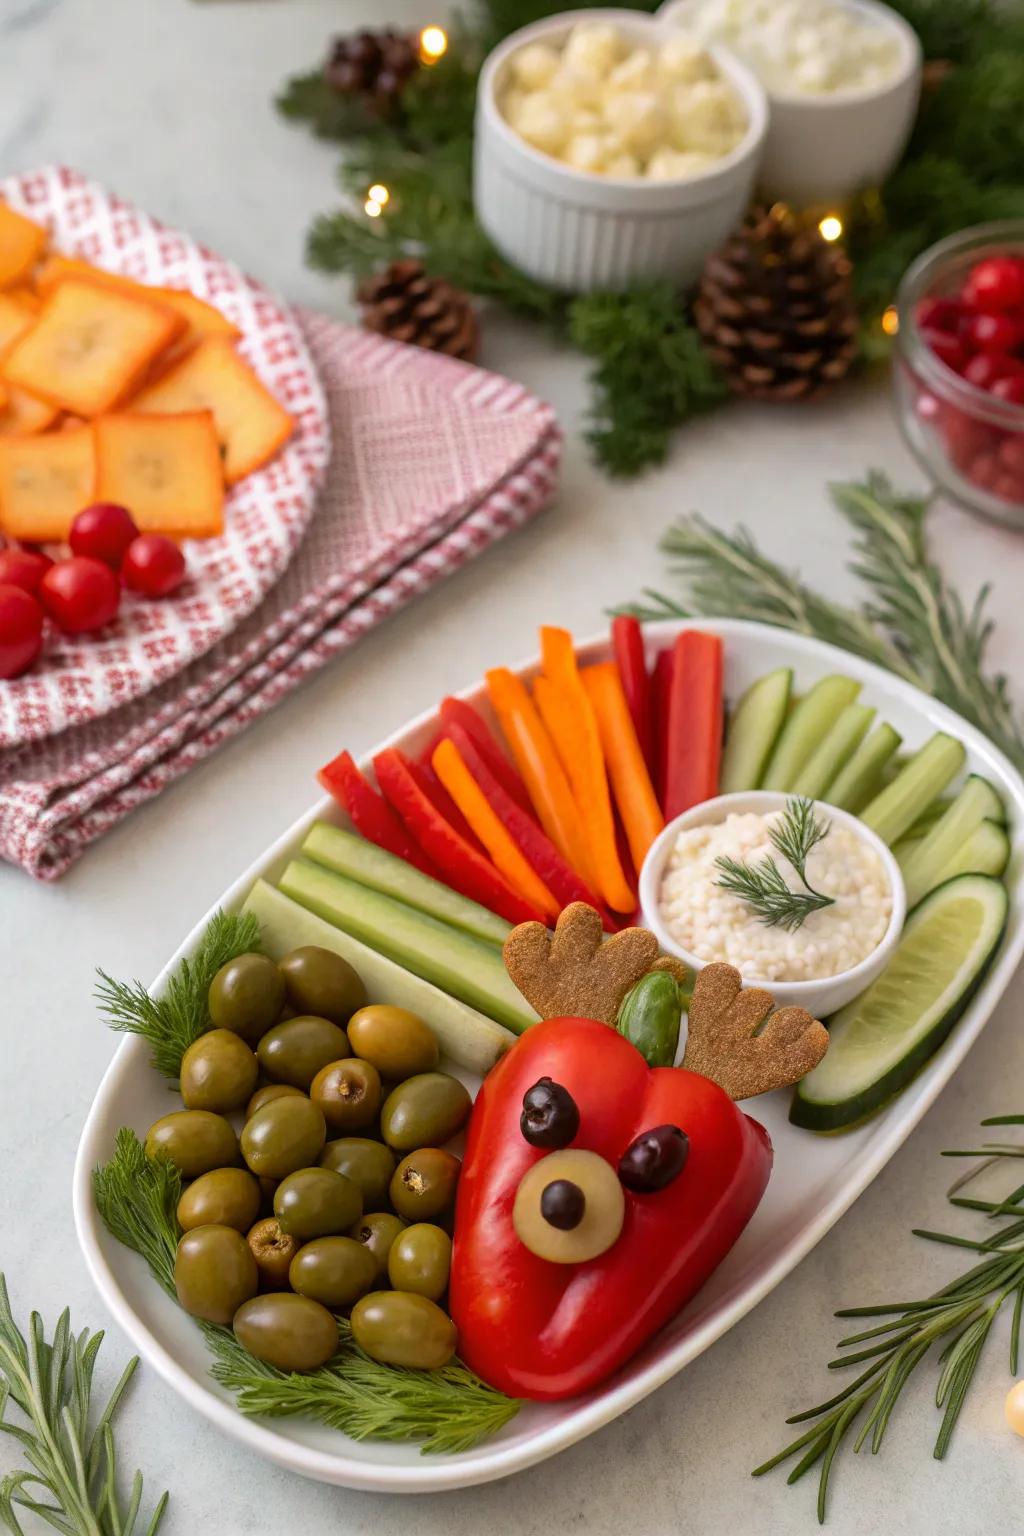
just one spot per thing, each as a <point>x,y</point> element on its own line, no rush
<point>171,1023</point>
<point>71,1482</point>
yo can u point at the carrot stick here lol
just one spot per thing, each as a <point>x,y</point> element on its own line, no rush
<point>538,763</point>
<point>474,805</point>
<point>694,722</point>
<point>631,783</point>
<point>584,762</point>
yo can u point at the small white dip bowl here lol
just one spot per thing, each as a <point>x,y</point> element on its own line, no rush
<point>820,997</point>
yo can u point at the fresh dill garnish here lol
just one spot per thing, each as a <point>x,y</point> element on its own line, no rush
<point>137,1198</point>
<point>172,1022</point>
<point>763,886</point>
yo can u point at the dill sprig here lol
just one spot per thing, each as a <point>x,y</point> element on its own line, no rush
<point>960,1315</point>
<point>449,1410</point>
<point>171,1023</point>
<point>764,887</point>
<point>71,1480</point>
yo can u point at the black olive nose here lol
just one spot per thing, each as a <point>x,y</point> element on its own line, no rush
<point>562,1204</point>
<point>654,1158</point>
<point>550,1117</point>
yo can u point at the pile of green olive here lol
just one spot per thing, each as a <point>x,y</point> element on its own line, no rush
<point>337,1196</point>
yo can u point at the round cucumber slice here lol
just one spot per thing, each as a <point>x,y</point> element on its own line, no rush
<point>879,1041</point>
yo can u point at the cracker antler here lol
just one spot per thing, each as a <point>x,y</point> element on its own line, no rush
<point>727,1044</point>
<point>576,971</point>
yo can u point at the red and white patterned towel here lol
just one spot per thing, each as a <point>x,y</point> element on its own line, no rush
<point>432,461</point>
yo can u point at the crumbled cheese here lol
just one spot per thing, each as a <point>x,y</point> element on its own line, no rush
<point>801,47</point>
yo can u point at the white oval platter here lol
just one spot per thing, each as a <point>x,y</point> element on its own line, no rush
<point>815,1179</point>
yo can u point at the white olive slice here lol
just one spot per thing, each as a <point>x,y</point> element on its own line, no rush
<point>593,1203</point>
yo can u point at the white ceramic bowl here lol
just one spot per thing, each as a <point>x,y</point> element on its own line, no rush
<point>820,998</point>
<point>580,232</point>
<point>821,149</point>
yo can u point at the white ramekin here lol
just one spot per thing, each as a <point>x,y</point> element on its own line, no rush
<point>820,998</point>
<point>581,232</point>
<point>821,149</point>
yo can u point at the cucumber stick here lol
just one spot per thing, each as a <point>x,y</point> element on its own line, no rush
<point>985,852</point>
<point>861,779</point>
<point>880,1040</point>
<point>464,1034</point>
<point>926,865</point>
<point>834,751</point>
<point>812,718</point>
<point>451,959</point>
<point>926,775</point>
<point>349,854</point>
<point>753,730</point>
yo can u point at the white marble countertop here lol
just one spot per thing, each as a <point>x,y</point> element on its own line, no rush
<point>168,101</point>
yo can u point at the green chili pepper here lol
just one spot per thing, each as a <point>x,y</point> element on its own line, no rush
<point>649,1017</point>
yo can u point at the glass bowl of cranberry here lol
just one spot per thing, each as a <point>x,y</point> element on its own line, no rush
<point>959,367</point>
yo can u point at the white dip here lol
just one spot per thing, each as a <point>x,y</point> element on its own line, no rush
<point>715,925</point>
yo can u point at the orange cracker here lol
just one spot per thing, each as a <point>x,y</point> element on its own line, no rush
<point>88,347</point>
<point>201,319</point>
<point>166,469</point>
<point>251,425</point>
<point>22,242</point>
<point>25,414</point>
<point>44,482</point>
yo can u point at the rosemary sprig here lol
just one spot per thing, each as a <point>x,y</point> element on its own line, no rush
<point>171,1023</point>
<point>71,1481</point>
<point>764,887</point>
<point>449,1410</point>
<point>961,1314</point>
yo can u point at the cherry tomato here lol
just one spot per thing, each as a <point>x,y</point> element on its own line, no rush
<point>153,565</point>
<point>938,314</point>
<point>80,594</point>
<point>949,349</point>
<point>992,333</point>
<point>21,630</point>
<point>23,568</point>
<point>1010,387</point>
<point>996,284</point>
<point>103,531</point>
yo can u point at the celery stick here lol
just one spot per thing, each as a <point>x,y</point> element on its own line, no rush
<point>834,751</point>
<point>925,866</point>
<point>807,724</point>
<point>861,779</point>
<point>753,730</point>
<point>925,776</point>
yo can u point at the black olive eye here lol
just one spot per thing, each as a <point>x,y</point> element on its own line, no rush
<point>654,1159</point>
<point>550,1117</point>
<point>562,1204</point>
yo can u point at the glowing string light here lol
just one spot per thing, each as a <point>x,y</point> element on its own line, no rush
<point>379,194</point>
<point>890,321</point>
<point>433,44</point>
<point>372,208</point>
<point>830,227</point>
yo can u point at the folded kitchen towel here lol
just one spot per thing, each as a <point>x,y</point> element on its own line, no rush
<point>432,461</point>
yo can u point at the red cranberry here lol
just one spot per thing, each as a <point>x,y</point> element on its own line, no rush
<point>984,369</point>
<point>948,349</point>
<point>966,438</point>
<point>992,333</point>
<point>1010,387</point>
<point>938,314</point>
<point>1009,488</point>
<point>984,471</point>
<point>103,531</point>
<point>1011,455</point>
<point>996,284</point>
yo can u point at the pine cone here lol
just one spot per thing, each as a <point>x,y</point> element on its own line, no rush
<point>775,308</point>
<point>404,304</point>
<point>373,67</point>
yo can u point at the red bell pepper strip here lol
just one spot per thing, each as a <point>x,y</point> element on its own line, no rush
<point>458,712</point>
<point>370,813</point>
<point>440,799</point>
<point>545,1330</point>
<point>694,722</point>
<point>628,648</point>
<point>461,866</point>
<point>661,689</point>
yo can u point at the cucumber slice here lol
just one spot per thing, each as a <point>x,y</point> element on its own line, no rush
<point>895,809</point>
<point>349,854</point>
<point>807,724</point>
<point>985,852</point>
<point>753,730</point>
<point>878,1042</point>
<point>834,751</point>
<point>466,1036</point>
<point>926,864</point>
<point>861,779</point>
<point>449,958</point>
<point>995,807</point>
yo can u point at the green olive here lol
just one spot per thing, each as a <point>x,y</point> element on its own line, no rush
<point>214,1272</point>
<point>194,1140</point>
<point>423,1185</point>
<point>269,1092</point>
<point>289,1332</point>
<point>285,1134</point>
<point>334,1270</point>
<point>399,1328</point>
<point>397,1042</point>
<point>377,1231</point>
<point>349,1093</point>
<point>367,1163</point>
<point>319,981</point>
<point>317,1202</point>
<point>246,996</point>
<point>224,1197</point>
<point>294,1052</point>
<point>273,1251</point>
<point>218,1072</point>
<point>420,1261</point>
<point>424,1111</point>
